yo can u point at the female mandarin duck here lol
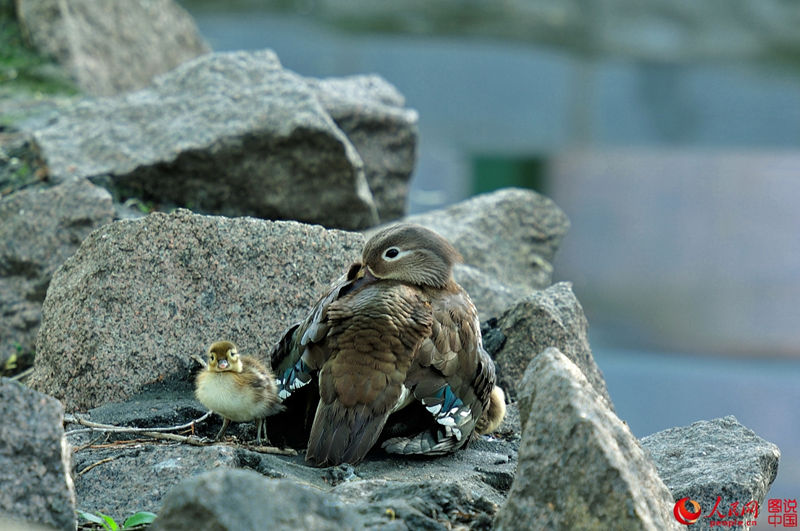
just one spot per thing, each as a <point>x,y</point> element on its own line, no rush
<point>395,330</point>
<point>238,388</point>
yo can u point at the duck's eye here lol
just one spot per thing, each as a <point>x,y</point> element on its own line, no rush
<point>391,253</point>
<point>233,354</point>
<point>210,357</point>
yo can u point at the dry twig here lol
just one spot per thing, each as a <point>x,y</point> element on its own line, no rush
<point>159,433</point>
<point>88,468</point>
<point>96,426</point>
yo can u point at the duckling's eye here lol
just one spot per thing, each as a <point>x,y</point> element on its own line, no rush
<point>391,253</point>
<point>210,357</point>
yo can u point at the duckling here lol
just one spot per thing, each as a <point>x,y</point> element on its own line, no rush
<point>494,414</point>
<point>238,388</point>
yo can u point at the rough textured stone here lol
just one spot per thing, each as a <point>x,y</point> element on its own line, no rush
<point>251,501</point>
<point>39,229</point>
<point>549,318</point>
<point>110,47</point>
<point>227,133</point>
<point>464,488</point>
<point>140,296</point>
<point>419,504</point>
<point>712,458</point>
<point>511,234</point>
<point>371,113</point>
<point>35,482</point>
<point>580,467</point>
<point>489,295</point>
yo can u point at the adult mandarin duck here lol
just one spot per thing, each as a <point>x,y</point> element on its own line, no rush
<point>395,330</point>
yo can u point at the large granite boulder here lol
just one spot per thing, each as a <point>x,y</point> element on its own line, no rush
<point>35,459</point>
<point>39,229</point>
<point>580,467</point>
<point>713,459</point>
<point>139,297</point>
<point>110,47</point>
<point>549,318</point>
<point>237,134</point>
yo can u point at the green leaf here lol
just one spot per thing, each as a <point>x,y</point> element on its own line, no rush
<point>102,519</point>
<point>140,518</point>
<point>92,518</point>
<point>110,524</point>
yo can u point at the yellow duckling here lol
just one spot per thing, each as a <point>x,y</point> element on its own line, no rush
<point>238,388</point>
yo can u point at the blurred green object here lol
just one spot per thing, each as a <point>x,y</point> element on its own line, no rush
<point>22,70</point>
<point>491,172</point>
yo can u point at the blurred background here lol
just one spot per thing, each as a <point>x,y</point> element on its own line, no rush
<point>668,131</point>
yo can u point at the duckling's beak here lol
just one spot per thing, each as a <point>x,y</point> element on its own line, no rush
<point>223,364</point>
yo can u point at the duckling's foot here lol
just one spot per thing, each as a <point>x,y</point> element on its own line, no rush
<point>224,427</point>
<point>261,428</point>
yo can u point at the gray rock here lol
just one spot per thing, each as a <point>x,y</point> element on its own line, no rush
<point>511,234</point>
<point>35,482</point>
<point>463,488</point>
<point>111,47</point>
<point>243,499</point>
<point>371,113</point>
<point>139,297</point>
<point>136,477</point>
<point>227,133</point>
<point>580,467</point>
<point>715,458</point>
<point>489,295</point>
<point>549,318</point>
<point>412,504</point>
<point>39,229</point>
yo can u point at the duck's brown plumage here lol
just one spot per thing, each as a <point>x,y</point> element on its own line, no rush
<point>395,329</point>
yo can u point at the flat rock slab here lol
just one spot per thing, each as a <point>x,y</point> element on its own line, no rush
<point>580,467</point>
<point>139,297</point>
<point>713,459</point>
<point>434,493</point>
<point>35,458</point>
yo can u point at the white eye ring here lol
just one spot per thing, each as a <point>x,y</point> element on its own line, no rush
<point>394,252</point>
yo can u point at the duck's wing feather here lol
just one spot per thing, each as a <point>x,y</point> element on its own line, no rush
<point>452,376</point>
<point>374,334</point>
<point>300,353</point>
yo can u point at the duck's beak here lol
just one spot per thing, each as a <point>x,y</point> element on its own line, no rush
<point>365,276</point>
<point>223,364</point>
